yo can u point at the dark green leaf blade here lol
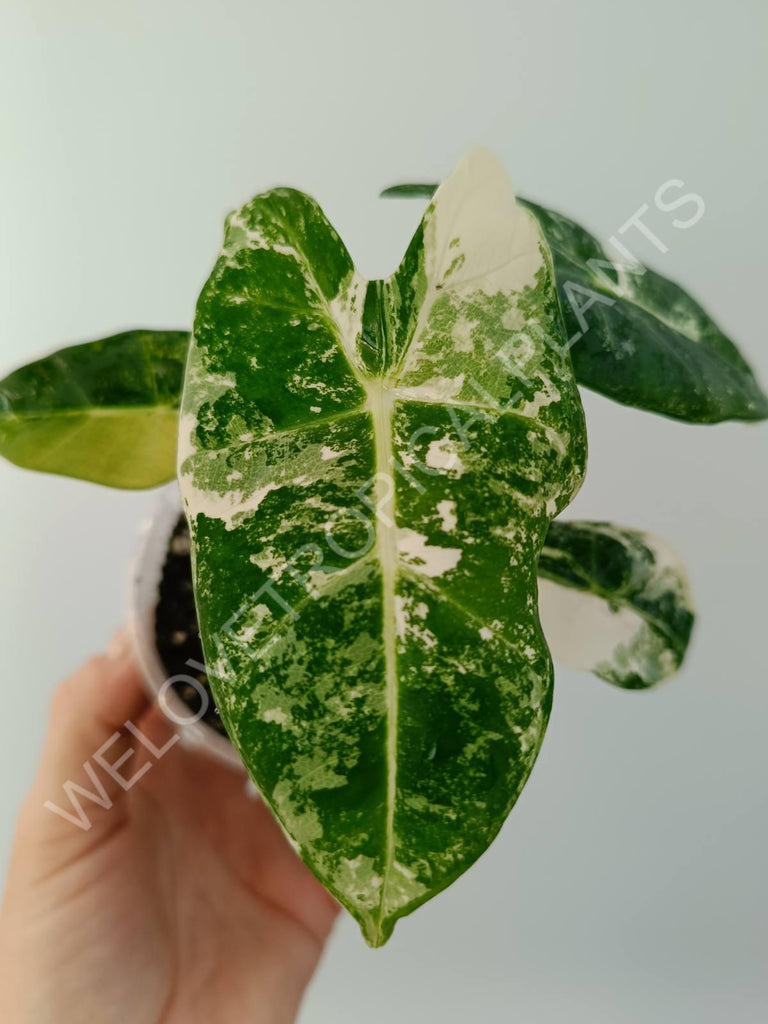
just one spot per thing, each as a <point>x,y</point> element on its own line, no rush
<point>104,411</point>
<point>642,340</point>
<point>368,486</point>
<point>614,601</point>
<point>411,191</point>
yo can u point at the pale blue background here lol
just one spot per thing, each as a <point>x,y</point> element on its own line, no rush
<point>629,885</point>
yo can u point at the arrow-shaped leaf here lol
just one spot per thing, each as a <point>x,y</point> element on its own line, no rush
<point>369,471</point>
<point>614,601</point>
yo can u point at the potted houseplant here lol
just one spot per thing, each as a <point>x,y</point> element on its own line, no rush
<point>372,474</point>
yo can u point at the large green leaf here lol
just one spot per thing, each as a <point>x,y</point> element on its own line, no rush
<point>369,470</point>
<point>636,336</point>
<point>105,411</point>
<point>643,340</point>
<point>614,601</point>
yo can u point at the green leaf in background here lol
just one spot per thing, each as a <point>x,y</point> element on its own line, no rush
<point>412,191</point>
<point>369,470</point>
<point>614,601</point>
<point>105,411</point>
<point>640,339</point>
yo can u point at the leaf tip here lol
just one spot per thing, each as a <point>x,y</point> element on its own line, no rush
<point>377,931</point>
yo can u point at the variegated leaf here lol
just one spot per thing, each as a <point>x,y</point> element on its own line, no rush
<point>369,470</point>
<point>614,601</point>
<point>641,339</point>
<point>105,411</point>
<point>636,336</point>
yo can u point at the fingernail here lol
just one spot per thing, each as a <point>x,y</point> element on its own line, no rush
<point>120,645</point>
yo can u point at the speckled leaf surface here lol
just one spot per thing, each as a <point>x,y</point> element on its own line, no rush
<point>637,337</point>
<point>614,601</point>
<point>643,340</point>
<point>105,411</point>
<point>369,470</point>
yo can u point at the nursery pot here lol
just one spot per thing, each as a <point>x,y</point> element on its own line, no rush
<point>151,585</point>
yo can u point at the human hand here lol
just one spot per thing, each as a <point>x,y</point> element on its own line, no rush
<point>182,901</point>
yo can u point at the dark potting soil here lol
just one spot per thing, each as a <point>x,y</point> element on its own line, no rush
<point>177,633</point>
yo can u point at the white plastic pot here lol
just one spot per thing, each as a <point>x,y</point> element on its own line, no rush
<point>143,598</point>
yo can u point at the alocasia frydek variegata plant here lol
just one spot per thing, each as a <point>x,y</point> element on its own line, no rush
<point>371,470</point>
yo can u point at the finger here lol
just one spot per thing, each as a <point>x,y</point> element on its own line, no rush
<point>88,758</point>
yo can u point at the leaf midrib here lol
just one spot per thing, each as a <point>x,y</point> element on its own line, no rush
<point>88,410</point>
<point>381,402</point>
